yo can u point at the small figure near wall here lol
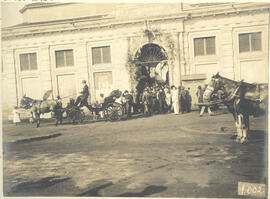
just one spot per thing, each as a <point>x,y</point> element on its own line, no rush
<point>16,116</point>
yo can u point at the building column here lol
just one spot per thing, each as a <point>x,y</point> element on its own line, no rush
<point>227,65</point>
<point>11,88</point>
<point>45,69</point>
<point>82,67</point>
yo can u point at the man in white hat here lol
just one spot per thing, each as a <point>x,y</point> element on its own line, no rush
<point>82,99</point>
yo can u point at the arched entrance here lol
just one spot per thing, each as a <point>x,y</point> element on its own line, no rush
<point>151,66</point>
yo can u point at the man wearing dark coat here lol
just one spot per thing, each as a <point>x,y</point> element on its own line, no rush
<point>188,100</point>
<point>129,102</point>
<point>147,102</point>
<point>182,100</point>
<point>58,111</point>
<point>82,99</point>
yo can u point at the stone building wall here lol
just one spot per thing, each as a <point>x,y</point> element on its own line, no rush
<point>227,61</point>
<point>174,34</point>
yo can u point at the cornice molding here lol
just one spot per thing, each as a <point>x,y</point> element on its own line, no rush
<point>111,22</point>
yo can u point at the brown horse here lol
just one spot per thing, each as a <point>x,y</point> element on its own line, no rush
<point>242,99</point>
<point>37,107</point>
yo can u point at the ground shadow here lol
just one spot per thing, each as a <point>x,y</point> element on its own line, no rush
<point>36,139</point>
<point>146,192</point>
<point>95,191</point>
<point>28,188</point>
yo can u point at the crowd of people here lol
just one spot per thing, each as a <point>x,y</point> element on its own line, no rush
<point>154,100</point>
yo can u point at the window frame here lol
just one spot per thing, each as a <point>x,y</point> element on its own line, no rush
<point>207,59</point>
<point>56,71</point>
<point>253,54</point>
<point>101,55</point>
<point>204,46</point>
<point>18,65</point>
<point>28,62</point>
<point>99,67</point>
<point>250,42</point>
<point>65,60</point>
<point>97,72</point>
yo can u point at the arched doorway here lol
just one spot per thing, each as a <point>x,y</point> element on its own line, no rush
<point>151,66</point>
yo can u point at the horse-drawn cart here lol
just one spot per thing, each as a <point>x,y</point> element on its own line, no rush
<point>112,110</point>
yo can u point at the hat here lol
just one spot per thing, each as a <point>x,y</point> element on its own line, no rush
<point>83,81</point>
<point>126,91</point>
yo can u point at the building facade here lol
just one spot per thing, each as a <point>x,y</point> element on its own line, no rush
<point>59,45</point>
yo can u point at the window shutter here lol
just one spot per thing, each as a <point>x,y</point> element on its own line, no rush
<point>69,58</point>
<point>33,61</point>
<point>24,62</point>
<point>256,41</point>
<point>210,45</point>
<point>244,43</point>
<point>96,56</point>
<point>59,58</point>
<point>106,54</point>
<point>198,46</point>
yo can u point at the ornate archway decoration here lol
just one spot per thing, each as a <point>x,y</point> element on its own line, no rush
<point>150,38</point>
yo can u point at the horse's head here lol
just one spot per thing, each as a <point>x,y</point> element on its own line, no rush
<point>26,102</point>
<point>216,83</point>
<point>213,87</point>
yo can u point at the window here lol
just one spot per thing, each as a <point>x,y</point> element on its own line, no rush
<point>28,61</point>
<point>204,46</point>
<point>249,42</point>
<point>103,80</point>
<point>64,58</point>
<point>101,55</point>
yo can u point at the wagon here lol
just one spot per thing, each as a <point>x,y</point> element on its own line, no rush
<point>112,110</point>
<point>214,104</point>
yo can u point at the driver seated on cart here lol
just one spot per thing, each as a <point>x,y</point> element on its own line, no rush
<point>82,99</point>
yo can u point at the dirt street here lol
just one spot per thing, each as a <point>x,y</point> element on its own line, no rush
<point>160,156</point>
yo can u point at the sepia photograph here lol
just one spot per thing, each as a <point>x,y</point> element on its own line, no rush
<point>135,99</point>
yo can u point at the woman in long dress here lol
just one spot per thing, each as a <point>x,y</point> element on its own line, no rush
<point>175,100</point>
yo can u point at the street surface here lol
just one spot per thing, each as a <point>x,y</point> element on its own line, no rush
<point>160,156</point>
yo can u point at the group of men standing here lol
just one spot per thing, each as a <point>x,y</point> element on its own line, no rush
<point>181,100</point>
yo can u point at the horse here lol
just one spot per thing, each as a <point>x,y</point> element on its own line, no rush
<point>242,100</point>
<point>37,107</point>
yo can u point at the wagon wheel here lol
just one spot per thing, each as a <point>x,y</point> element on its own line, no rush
<point>118,112</point>
<point>109,112</point>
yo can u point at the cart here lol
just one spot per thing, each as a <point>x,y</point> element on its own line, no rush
<point>112,109</point>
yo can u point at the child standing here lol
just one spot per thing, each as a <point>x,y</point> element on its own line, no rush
<point>16,116</point>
